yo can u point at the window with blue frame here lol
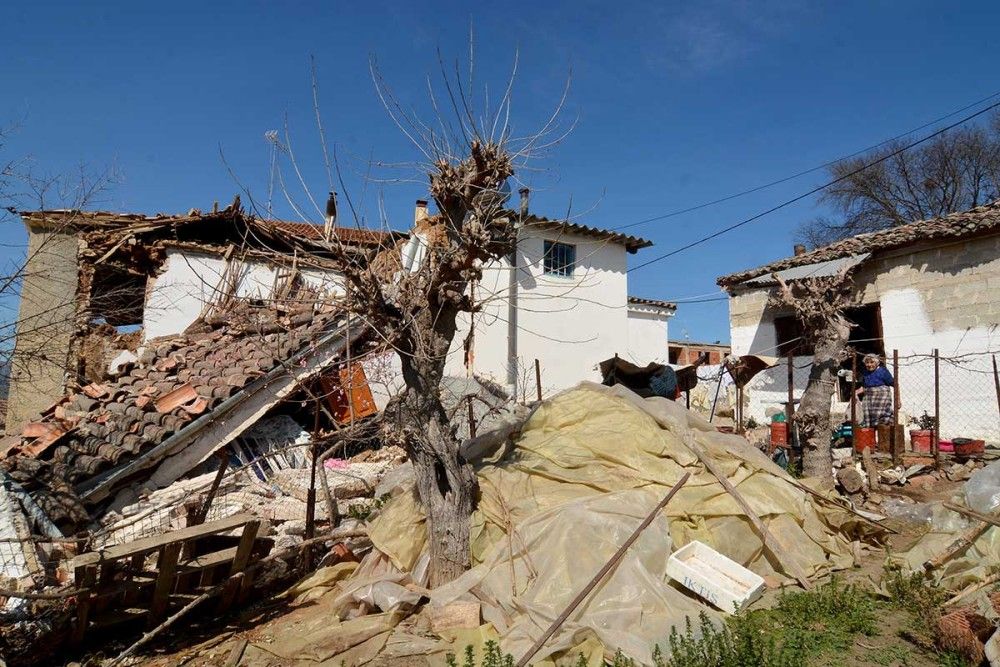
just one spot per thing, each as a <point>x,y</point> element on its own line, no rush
<point>560,259</point>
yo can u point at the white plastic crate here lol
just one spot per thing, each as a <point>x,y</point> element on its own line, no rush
<point>721,581</point>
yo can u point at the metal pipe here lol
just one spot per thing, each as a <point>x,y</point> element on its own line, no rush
<point>897,446</point>
<point>936,445</point>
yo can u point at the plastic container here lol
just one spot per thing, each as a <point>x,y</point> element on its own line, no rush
<point>719,580</point>
<point>779,434</point>
<point>946,445</point>
<point>968,446</point>
<point>864,439</point>
<point>920,440</point>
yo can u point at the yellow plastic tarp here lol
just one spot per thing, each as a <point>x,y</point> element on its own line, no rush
<point>589,465</point>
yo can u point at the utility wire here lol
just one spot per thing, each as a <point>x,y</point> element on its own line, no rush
<point>789,202</point>
<point>736,195</point>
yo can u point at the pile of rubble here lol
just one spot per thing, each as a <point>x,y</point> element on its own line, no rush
<point>569,484</point>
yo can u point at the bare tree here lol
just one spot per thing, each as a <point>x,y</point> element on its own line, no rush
<point>412,297</point>
<point>956,171</point>
<point>819,304</point>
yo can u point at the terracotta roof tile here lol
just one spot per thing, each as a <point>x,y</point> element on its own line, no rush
<point>123,423</point>
<point>956,225</point>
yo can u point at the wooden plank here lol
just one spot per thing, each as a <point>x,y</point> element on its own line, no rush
<point>769,541</point>
<point>85,579</point>
<point>206,561</point>
<point>870,469</point>
<point>164,582</point>
<point>237,653</point>
<point>147,544</point>
<point>240,561</point>
<point>957,547</point>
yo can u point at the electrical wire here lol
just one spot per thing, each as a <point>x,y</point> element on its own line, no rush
<point>758,188</point>
<point>802,196</point>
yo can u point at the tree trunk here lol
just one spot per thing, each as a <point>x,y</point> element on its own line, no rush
<point>446,482</point>
<point>813,415</point>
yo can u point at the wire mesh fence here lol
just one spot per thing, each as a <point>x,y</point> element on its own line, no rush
<point>957,393</point>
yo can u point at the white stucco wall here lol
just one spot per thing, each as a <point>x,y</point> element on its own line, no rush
<point>188,280</point>
<point>570,324</point>
<point>647,335</point>
<point>944,296</point>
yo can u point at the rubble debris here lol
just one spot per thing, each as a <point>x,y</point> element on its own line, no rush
<point>122,434</point>
<point>566,479</point>
<point>850,480</point>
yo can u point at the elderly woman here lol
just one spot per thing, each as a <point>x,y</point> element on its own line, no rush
<point>876,389</point>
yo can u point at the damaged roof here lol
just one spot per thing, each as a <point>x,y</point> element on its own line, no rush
<point>982,219</point>
<point>101,427</point>
<point>216,227</point>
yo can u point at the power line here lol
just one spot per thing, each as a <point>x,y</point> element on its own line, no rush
<point>789,202</point>
<point>717,298</point>
<point>803,173</point>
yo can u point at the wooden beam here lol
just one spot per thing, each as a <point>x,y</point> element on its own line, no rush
<point>165,578</point>
<point>86,576</point>
<point>243,551</point>
<point>973,514</point>
<point>147,544</point>
<point>770,543</point>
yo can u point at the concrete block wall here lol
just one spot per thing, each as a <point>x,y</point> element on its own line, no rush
<point>46,325</point>
<point>944,296</point>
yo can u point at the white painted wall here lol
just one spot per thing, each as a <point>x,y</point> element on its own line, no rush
<point>570,324</point>
<point>647,335</point>
<point>188,280</point>
<point>944,296</point>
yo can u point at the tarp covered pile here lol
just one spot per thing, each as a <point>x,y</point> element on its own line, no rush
<point>560,499</point>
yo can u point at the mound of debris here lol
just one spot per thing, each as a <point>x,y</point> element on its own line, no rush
<point>560,493</point>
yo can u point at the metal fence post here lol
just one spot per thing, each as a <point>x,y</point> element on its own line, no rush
<point>996,382</point>
<point>936,444</point>
<point>854,398</point>
<point>897,446</point>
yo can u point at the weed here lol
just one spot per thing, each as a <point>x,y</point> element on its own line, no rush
<point>365,511</point>
<point>890,655</point>
<point>492,657</point>
<point>920,598</point>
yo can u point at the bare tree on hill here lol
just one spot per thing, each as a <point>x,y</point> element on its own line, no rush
<point>955,171</point>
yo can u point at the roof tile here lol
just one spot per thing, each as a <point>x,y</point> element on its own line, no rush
<point>978,220</point>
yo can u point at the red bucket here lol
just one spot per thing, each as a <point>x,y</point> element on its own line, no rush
<point>779,434</point>
<point>920,441</point>
<point>864,438</point>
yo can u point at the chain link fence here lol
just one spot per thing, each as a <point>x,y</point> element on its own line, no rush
<point>959,392</point>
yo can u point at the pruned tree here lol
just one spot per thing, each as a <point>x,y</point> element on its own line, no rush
<point>819,304</point>
<point>955,171</point>
<point>413,293</point>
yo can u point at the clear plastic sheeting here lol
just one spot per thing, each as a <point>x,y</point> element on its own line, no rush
<point>982,491</point>
<point>588,466</point>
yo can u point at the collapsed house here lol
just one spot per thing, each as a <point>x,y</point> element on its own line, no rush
<point>922,286</point>
<point>97,286</point>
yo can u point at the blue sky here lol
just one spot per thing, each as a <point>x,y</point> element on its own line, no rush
<point>675,103</point>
